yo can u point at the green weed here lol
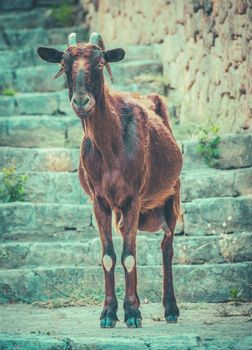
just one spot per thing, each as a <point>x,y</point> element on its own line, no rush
<point>12,185</point>
<point>63,15</point>
<point>208,145</point>
<point>235,295</point>
<point>8,92</point>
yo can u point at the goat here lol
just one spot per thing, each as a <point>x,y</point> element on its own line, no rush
<point>129,164</point>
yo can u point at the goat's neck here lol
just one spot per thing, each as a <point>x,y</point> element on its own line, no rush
<point>104,129</point>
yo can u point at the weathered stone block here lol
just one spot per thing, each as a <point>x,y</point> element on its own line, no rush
<point>218,215</point>
<point>64,104</point>
<point>43,217</point>
<point>124,72</point>
<point>39,79</point>
<point>243,181</point>
<point>7,105</point>
<point>6,76</point>
<point>54,187</point>
<point>235,151</point>
<point>16,5</point>
<point>206,184</point>
<point>24,19</point>
<point>37,103</point>
<point>27,37</point>
<point>42,131</point>
<point>36,159</point>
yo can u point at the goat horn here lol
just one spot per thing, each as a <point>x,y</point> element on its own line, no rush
<point>72,39</point>
<point>96,39</point>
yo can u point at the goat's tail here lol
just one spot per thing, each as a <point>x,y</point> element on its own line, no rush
<point>176,205</point>
<point>160,108</point>
<point>172,208</point>
<point>118,220</point>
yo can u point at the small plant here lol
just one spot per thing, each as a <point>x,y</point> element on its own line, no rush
<point>8,92</point>
<point>12,185</point>
<point>208,144</point>
<point>235,295</point>
<point>63,15</point>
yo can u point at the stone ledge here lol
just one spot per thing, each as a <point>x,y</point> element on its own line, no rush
<point>240,157</point>
<point>64,187</point>
<point>27,80</point>
<point>193,283</point>
<point>207,216</point>
<point>87,252</point>
<point>27,217</point>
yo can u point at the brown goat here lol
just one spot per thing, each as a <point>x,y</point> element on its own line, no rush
<point>129,163</point>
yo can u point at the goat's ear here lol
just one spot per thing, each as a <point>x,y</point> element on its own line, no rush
<point>114,55</point>
<point>50,55</point>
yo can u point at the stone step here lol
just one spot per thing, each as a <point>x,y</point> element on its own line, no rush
<point>64,187</point>
<point>201,216</point>
<point>187,250</point>
<point>193,283</point>
<point>32,18</point>
<point>40,78</point>
<point>50,103</point>
<point>218,215</point>
<point>40,159</point>
<point>235,149</point>
<point>26,15</point>
<point>30,4</point>
<point>41,130</point>
<point>29,104</point>
<point>44,217</point>
<point>19,40</point>
<point>20,46</point>
<point>235,152</point>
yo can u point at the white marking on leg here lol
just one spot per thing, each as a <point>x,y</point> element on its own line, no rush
<point>107,262</point>
<point>129,263</point>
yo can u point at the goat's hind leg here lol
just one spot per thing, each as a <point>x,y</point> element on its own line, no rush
<point>169,300</point>
<point>103,216</point>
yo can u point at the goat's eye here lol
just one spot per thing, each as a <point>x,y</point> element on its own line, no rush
<point>101,64</point>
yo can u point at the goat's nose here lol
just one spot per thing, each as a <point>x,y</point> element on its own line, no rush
<point>81,101</point>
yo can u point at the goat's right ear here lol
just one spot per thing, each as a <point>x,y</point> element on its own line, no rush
<point>50,55</point>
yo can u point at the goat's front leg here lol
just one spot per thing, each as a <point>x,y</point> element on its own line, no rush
<point>130,212</point>
<point>103,217</point>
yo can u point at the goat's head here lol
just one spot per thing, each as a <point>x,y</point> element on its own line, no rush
<point>83,65</point>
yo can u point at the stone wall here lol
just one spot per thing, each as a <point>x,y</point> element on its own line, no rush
<point>207,52</point>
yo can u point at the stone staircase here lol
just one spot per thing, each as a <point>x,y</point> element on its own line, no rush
<point>50,247</point>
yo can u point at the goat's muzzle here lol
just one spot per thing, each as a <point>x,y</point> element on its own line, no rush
<point>83,105</point>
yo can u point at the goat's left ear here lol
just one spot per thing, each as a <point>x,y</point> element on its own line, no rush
<point>115,55</point>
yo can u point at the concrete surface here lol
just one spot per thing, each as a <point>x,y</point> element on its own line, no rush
<point>200,326</point>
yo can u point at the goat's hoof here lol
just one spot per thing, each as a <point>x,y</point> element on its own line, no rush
<point>107,322</point>
<point>134,322</point>
<point>108,318</point>
<point>171,318</point>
